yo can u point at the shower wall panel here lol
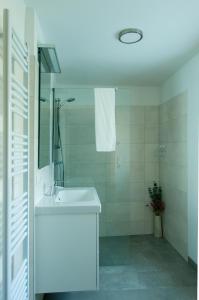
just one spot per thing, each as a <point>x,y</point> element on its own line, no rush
<point>121,177</point>
<point>173,170</point>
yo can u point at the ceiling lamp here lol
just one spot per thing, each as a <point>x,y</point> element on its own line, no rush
<point>130,35</point>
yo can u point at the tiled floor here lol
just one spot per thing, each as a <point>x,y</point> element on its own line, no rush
<point>139,268</point>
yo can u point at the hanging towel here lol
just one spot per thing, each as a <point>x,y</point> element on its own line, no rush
<point>105,119</point>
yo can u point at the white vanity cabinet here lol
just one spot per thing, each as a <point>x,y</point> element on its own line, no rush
<point>66,250</point>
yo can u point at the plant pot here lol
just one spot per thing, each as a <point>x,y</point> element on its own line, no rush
<point>157,226</point>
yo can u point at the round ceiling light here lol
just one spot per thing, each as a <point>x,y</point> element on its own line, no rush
<point>130,36</point>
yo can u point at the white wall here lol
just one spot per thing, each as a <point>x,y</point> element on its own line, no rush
<point>18,10</point>
<point>187,79</point>
<point>173,171</point>
<point>34,35</point>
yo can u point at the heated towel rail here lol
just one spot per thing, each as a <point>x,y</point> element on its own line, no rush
<point>16,163</point>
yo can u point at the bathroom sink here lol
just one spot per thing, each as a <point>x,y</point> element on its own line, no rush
<point>67,241</point>
<point>75,195</point>
<point>70,200</point>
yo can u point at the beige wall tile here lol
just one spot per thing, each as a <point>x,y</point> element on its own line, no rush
<point>130,115</point>
<point>151,172</point>
<point>151,115</point>
<point>130,153</point>
<point>125,172</point>
<point>152,153</point>
<point>128,133</point>
<point>151,134</point>
<point>120,176</point>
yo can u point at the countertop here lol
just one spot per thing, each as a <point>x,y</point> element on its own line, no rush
<point>48,205</point>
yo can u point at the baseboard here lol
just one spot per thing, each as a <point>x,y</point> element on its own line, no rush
<point>192,263</point>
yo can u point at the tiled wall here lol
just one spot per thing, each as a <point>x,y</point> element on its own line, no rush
<point>173,170</point>
<point>121,177</point>
<point>45,127</point>
<point>45,175</point>
<point>1,162</point>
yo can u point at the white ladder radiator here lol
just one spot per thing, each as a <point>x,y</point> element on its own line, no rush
<point>16,159</point>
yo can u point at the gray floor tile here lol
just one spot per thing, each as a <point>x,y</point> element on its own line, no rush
<point>141,294</point>
<point>139,268</point>
<point>189,293</point>
<point>118,278</point>
<point>154,294</point>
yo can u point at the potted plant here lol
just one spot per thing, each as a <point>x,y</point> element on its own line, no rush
<point>158,207</point>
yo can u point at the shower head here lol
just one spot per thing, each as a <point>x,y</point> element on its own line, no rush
<point>70,99</point>
<point>61,103</point>
<point>43,99</point>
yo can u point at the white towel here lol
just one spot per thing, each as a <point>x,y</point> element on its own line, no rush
<point>105,119</point>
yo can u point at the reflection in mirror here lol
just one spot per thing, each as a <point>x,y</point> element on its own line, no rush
<point>1,170</point>
<point>44,119</point>
<point>48,64</point>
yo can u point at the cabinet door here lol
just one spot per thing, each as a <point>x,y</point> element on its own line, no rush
<point>66,253</point>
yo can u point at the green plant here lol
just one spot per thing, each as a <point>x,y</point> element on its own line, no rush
<point>155,194</point>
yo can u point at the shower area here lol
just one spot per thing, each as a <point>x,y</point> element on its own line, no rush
<point>151,146</point>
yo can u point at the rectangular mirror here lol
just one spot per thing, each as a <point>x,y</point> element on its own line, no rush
<point>45,98</point>
<point>48,64</point>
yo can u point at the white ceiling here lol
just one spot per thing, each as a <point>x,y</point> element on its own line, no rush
<point>84,32</point>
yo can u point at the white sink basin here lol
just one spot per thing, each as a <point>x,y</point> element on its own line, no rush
<point>75,195</point>
<point>70,200</point>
